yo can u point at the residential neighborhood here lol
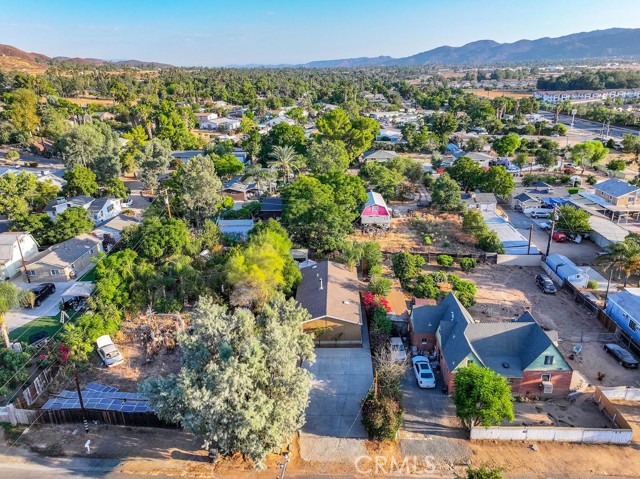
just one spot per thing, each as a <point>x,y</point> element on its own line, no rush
<point>370,267</point>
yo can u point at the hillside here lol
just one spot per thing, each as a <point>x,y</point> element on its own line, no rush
<point>611,43</point>
<point>12,58</point>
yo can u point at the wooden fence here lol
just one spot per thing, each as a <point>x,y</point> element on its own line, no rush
<point>31,394</point>
<point>113,418</point>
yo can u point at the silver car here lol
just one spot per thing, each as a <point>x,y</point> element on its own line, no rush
<point>108,352</point>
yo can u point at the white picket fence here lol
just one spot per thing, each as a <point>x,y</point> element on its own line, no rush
<point>15,416</point>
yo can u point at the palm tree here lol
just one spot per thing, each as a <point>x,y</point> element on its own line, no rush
<point>624,257</point>
<point>286,160</point>
<point>261,176</point>
<point>10,297</point>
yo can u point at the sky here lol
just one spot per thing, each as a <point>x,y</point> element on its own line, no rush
<point>240,32</point>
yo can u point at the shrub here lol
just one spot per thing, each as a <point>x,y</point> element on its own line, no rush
<point>426,287</point>
<point>592,284</point>
<point>573,191</point>
<point>446,244</point>
<point>439,277</point>
<point>490,242</point>
<point>427,240</point>
<point>380,286</point>
<point>406,265</point>
<point>12,370</point>
<point>375,270</point>
<point>381,416</point>
<point>381,323</point>
<point>444,260</point>
<point>467,264</point>
<point>592,180</point>
<point>617,165</point>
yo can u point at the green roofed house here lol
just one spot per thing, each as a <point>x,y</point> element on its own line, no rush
<point>520,350</point>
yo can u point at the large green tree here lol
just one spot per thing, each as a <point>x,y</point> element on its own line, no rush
<point>80,181</point>
<point>22,109</point>
<point>482,397</point>
<point>312,217</point>
<point>22,193</point>
<point>572,220</point>
<point>445,193</point>
<point>498,180</point>
<point>507,144</point>
<point>71,222</point>
<point>327,155</point>
<point>83,145</point>
<point>467,172</point>
<point>356,133</point>
<point>153,161</point>
<point>631,144</point>
<point>254,393</point>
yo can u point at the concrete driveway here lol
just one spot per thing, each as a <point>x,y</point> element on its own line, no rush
<point>342,377</point>
<point>49,307</point>
<point>428,412</point>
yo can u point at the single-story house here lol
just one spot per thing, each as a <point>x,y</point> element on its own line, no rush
<point>483,159</point>
<point>238,190</point>
<point>618,192</point>
<point>271,208</point>
<point>14,248</point>
<point>103,209</point>
<point>114,227</point>
<point>521,351</point>
<point>222,124</point>
<point>380,155</point>
<point>186,155</point>
<point>66,260</point>
<point>393,135</point>
<point>375,211</point>
<point>331,294</point>
<point>624,309</point>
<point>57,206</point>
<point>105,116</point>
<point>481,201</point>
<point>236,228</point>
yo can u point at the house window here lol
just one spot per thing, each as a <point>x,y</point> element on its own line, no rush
<point>509,380</point>
<point>31,272</point>
<point>374,209</point>
<point>55,272</point>
<point>548,360</point>
<point>633,326</point>
<point>546,377</point>
<point>469,361</point>
<point>424,341</point>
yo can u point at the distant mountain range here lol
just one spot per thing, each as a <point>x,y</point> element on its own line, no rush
<point>13,58</point>
<point>599,44</point>
<point>611,43</point>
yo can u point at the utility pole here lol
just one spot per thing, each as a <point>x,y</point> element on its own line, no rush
<point>375,386</point>
<point>166,202</point>
<point>606,294</point>
<point>553,225</point>
<point>283,465</point>
<point>24,263</point>
<point>530,237</point>
<point>84,411</point>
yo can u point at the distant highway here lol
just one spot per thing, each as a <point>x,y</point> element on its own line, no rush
<point>592,127</point>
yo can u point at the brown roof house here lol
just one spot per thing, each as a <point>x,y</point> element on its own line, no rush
<point>64,261</point>
<point>331,294</point>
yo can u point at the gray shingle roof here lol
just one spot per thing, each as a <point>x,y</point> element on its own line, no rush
<point>67,252</point>
<point>616,187</point>
<point>380,155</point>
<point>339,297</point>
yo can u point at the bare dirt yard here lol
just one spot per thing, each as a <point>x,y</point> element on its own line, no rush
<point>148,350</point>
<point>444,232</point>
<point>559,412</point>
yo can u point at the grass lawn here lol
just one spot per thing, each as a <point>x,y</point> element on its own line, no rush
<point>50,324</point>
<point>89,275</point>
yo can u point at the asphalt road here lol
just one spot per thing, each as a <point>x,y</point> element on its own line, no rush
<point>592,127</point>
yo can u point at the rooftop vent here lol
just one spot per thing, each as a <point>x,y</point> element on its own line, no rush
<point>505,365</point>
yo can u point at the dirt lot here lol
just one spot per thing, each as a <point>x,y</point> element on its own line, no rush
<point>408,234</point>
<point>560,412</point>
<point>138,364</point>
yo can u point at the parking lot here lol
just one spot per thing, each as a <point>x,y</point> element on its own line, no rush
<point>580,254</point>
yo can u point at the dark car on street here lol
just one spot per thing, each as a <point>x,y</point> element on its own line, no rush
<point>545,284</point>
<point>42,292</point>
<point>621,355</point>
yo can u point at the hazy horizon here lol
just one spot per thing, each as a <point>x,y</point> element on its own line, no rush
<point>284,32</point>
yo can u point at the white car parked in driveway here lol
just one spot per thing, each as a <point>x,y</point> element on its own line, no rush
<point>424,374</point>
<point>108,352</point>
<point>398,350</point>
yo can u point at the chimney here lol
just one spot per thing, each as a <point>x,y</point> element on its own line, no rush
<point>321,288</point>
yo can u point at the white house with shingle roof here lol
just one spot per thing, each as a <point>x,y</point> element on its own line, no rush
<point>14,247</point>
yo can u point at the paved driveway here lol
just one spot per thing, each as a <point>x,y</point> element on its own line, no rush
<point>428,412</point>
<point>342,377</point>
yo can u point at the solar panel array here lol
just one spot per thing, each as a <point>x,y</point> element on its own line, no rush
<point>98,396</point>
